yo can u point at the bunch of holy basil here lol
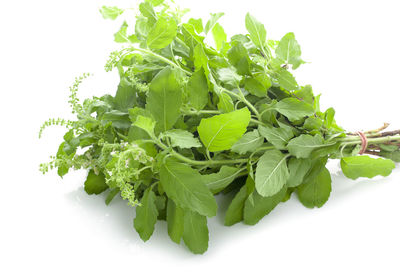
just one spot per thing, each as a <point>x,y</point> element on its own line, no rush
<point>190,121</point>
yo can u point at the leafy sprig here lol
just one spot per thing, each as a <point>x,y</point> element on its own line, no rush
<point>189,121</point>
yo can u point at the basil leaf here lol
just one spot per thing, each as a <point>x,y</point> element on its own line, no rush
<point>354,167</point>
<point>316,191</point>
<point>146,215</point>
<point>195,233</point>
<point>95,183</point>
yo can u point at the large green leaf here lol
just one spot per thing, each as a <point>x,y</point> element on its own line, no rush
<point>95,183</point>
<point>364,166</point>
<point>165,98</point>
<point>195,233</point>
<point>316,191</point>
<point>220,132</point>
<point>239,57</point>
<point>257,31</point>
<point>146,215</point>
<point>272,173</point>
<point>294,109</point>
<point>175,221</point>
<point>162,33</point>
<point>185,186</point>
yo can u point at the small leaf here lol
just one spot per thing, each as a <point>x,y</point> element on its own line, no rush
<point>294,109</point>
<point>354,167</point>
<point>248,143</point>
<point>225,103</point>
<point>182,139</point>
<point>185,186</point>
<point>286,80</point>
<point>175,221</point>
<point>212,21</point>
<point>145,123</point>
<point>146,215</point>
<point>197,90</point>
<point>219,36</point>
<point>288,51</point>
<point>197,24</point>
<point>257,31</point>
<point>239,57</point>
<point>279,137</point>
<point>95,183</point>
<point>195,233</point>
<point>147,11</point>
<point>271,173</point>
<point>110,12</point>
<point>162,33</point>
<point>316,192</point>
<point>122,37</point>
<point>220,132</point>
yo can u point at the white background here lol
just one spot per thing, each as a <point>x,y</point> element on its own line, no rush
<point>49,226</point>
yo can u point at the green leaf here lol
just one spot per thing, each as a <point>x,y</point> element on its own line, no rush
<point>145,123</point>
<point>162,33</point>
<point>294,109</point>
<point>313,123</point>
<point>316,192</point>
<point>279,137</point>
<point>195,233</point>
<point>234,214</point>
<point>182,139</point>
<point>110,12</point>
<point>201,60</point>
<point>118,119</point>
<point>146,215</point>
<point>248,143</point>
<point>212,21</point>
<point>165,98</point>
<point>288,51</point>
<point>122,37</point>
<point>229,76</point>
<point>286,79</point>
<point>125,98</point>
<point>197,24</point>
<point>298,168</point>
<point>271,173</point>
<point>392,155</point>
<point>197,89</point>
<point>303,145</point>
<point>257,31</point>
<point>147,11</point>
<point>329,117</point>
<point>95,183</point>
<point>239,57</point>
<point>354,167</point>
<point>306,94</point>
<point>218,181</point>
<point>219,36</point>
<point>175,221</point>
<point>185,186</point>
<point>220,132</point>
<point>258,206</point>
<point>111,195</point>
<point>225,103</point>
<point>258,85</point>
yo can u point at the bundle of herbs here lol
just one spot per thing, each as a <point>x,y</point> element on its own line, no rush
<point>190,121</point>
